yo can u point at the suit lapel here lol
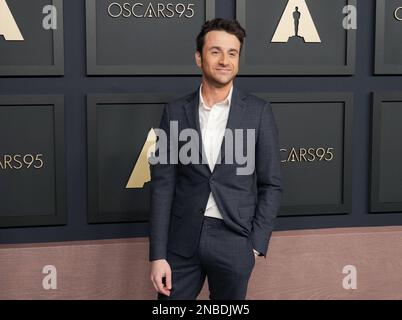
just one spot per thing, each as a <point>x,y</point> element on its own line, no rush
<point>193,118</point>
<point>236,113</point>
<point>237,107</point>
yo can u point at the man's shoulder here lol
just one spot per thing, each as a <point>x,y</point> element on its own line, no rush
<point>253,101</point>
<point>248,98</point>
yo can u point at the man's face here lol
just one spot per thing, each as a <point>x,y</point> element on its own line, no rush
<point>220,58</point>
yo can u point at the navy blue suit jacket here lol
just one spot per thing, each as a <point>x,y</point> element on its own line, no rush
<point>247,203</point>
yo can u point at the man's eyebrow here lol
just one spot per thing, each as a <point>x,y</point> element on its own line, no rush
<point>215,48</point>
<point>219,48</point>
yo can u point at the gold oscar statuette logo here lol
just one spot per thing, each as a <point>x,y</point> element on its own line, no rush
<point>296,24</point>
<point>8,27</point>
<point>141,173</point>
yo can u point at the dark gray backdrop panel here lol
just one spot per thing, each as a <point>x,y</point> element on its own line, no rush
<point>386,188</point>
<point>388,46</point>
<point>149,46</point>
<point>42,51</point>
<point>315,122</point>
<point>118,126</point>
<point>334,55</point>
<point>32,182</point>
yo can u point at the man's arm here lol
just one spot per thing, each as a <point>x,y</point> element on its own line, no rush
<point>163,182</point>
<point>269,180</point>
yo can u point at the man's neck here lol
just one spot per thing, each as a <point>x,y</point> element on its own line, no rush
<point>213,95</point>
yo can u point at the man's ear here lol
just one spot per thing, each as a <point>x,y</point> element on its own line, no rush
<point>198,59</point>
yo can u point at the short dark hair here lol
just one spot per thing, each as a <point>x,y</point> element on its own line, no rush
<point>219,24</point>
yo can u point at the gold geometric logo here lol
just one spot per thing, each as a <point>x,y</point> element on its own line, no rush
<point>8,27</point>
<point>141,173</point>
<point>296,24</point>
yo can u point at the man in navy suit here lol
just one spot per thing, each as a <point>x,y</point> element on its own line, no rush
<point>212,217</point>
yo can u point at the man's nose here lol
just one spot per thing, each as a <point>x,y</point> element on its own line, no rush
<point>224,59</point>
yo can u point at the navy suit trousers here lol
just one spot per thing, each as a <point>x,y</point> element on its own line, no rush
<point>223,256</point>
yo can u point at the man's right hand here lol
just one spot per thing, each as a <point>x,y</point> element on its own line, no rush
<point>161,269</point>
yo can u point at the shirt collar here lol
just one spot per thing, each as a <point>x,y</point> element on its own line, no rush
<point>226,102</point>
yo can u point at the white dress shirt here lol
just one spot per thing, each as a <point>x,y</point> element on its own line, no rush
<point>213,122</point>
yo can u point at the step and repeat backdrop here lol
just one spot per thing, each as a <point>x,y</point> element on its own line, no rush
<point>82,84</point>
